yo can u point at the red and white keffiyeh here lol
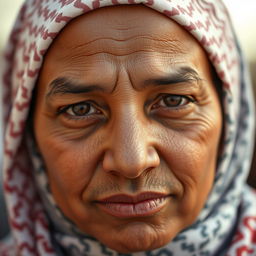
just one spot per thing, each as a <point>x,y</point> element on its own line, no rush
<point>227,223</point>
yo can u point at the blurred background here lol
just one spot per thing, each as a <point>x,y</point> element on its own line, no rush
<point>243,14</point>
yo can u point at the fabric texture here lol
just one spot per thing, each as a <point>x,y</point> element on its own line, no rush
<point>227,223</point>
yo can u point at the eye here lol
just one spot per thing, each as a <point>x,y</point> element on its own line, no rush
<point>173,101</point>
<point>81,109</point>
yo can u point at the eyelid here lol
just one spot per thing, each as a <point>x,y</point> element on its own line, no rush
<point>63,110</point>
<point>161,97</point>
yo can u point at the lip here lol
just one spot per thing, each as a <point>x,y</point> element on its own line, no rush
<point>130,206</point>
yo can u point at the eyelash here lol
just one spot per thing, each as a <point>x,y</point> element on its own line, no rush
<point>90,105</point>
<point>163,97</point>
<point>160,103</point>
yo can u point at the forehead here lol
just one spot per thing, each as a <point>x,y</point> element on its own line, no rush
<point>120,31</point>
<point>135,38</point>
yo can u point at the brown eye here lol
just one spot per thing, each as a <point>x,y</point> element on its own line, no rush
<point>173,100</point>
<point>81,109</point>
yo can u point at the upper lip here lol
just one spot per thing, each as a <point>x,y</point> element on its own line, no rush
<point>133,199</point>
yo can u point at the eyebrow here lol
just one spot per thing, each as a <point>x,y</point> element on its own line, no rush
<point>64,85</point>
<point>180,75</point>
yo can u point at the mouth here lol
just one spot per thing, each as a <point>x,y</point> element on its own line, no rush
<point>128,206</point>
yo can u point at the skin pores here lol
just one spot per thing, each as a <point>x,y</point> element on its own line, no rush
<point>128,122</point>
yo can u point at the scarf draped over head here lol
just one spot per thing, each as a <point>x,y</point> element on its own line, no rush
<point>226,224</point>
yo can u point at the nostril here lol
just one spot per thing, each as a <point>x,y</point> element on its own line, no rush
<point>149,169</point>
<point>114,173</point>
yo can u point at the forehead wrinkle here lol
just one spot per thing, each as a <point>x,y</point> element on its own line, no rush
<point>114,30</point>
<point>130,38</point>
<point>128,46</point>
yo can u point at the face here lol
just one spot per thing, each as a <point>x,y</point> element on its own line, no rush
<point>128,122</point>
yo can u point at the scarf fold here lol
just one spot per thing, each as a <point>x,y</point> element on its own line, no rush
<point>226,224</point>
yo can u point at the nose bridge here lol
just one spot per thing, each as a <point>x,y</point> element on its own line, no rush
<point>131,141</point>
<point>130,151</point>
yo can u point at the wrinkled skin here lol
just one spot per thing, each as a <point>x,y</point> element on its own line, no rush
<point>134,109</point>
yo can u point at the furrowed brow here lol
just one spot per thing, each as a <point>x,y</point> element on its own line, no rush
<point>181,75</point>
<point>63,85</point>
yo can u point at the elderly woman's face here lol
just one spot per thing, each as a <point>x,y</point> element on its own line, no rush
<point>128,122</point>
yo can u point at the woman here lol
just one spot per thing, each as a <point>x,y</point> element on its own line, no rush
<point>129,130</point>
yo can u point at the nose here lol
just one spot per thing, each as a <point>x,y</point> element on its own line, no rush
<point>131,148</point>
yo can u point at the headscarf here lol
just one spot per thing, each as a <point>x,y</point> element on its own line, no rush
<point>226,224</point>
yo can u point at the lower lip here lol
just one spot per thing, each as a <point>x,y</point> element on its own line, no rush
<point>131,210</point>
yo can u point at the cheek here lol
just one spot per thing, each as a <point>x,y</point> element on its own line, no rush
<point>192,159</point>
<point>70,166</point>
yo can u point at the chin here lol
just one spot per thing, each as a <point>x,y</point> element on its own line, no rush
<point>137,237</point>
